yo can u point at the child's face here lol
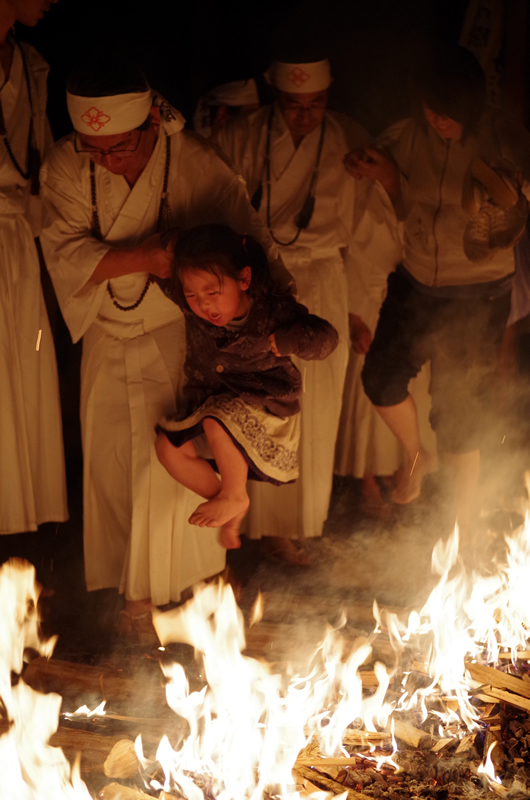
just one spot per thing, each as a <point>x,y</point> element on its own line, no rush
<point>217,299</point>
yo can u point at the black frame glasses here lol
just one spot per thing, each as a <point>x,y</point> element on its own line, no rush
<point>96,151</point>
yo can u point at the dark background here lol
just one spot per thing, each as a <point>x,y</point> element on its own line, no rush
<point>187,48</point>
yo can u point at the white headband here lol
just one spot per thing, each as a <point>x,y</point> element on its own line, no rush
<point>237,93</point>
<point>105,116</point>
<point>314,76</point>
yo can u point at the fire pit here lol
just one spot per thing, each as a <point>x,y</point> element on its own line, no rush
<point>433,703</point>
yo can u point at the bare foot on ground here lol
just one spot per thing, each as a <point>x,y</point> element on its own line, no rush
<point>285,551</point>
<point>220,510</point>
<point>136,619</point>
<point>410,478</point>
<point>373,504</point>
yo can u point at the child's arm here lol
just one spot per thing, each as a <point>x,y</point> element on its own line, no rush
<point>302,334</point>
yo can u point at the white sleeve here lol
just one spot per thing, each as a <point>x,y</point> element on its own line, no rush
<point>374,247</point>
<point>71,252</point>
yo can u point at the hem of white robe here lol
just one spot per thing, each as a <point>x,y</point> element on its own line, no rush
<point>172,597</point>
<point>33,526</point>
<point>282,534</point>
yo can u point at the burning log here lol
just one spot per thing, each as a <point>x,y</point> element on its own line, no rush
<point>72,680</point>
<point>115,791</point>
<point>323,782</point>
<point>368,677</point>
<point>122,761</point>
<point>267,637</point>
<point>94,748</point>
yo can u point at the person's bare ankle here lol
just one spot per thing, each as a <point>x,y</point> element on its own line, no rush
<point>409,481</point>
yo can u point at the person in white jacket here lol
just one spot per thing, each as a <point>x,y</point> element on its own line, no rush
<point>449,299</point>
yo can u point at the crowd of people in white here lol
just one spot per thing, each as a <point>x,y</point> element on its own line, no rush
<point>404,243</point>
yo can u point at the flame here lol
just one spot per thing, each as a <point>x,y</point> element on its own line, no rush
<point>30,768</point>
<point>487,769</point>
<point>256,614</point>
<point>247,726</point>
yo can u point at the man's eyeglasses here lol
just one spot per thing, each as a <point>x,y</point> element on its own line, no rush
<point>120,150</point>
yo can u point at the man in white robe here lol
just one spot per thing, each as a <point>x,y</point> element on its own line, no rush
<point>101,249</point>
<point>291,156</point>
<point>32,473</point>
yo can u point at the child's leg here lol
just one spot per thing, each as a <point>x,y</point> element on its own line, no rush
<point>231,503</point>
<point>187,468</point>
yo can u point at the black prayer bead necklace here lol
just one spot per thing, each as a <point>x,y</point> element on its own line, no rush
<point>96,227</point>
<point>303,218</point>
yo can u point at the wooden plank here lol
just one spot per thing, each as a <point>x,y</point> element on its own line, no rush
<point>411,735</point>
<point>510,698</point>
<point>441,744</point>
<point>522,655</point>
<point>466,743</point>
<point>319,761</point>
<point>322,781</point>
<point>353,737</point>
<point>498,679</point>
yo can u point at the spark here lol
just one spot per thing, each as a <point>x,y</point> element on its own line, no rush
<point>39,337</point>
<point>412,470</point>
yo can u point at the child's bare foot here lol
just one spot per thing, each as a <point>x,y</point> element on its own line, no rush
<point>410,478</point>
<point>220,510</point>
<point>229,537</point>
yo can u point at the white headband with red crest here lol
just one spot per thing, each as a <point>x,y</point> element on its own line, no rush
<point>106,116</point>
<point>305,78</point>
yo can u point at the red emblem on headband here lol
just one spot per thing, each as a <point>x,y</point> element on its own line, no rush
<point>298,76</point>
<point>95,118</point>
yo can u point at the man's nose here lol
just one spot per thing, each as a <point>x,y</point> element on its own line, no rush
<point>107,159</point>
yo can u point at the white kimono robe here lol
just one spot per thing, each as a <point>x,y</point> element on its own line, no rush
<point>316,263</point>
<point>136,533</point>
<point>32,474</point>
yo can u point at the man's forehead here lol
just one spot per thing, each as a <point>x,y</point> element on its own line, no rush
<point>304,98</point>
<point>106,141</point>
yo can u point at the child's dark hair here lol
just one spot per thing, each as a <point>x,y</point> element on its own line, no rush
<point>223,252</point>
